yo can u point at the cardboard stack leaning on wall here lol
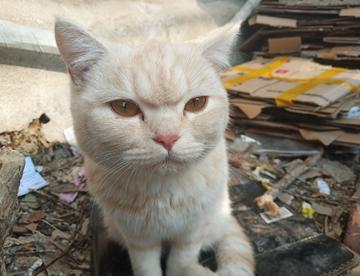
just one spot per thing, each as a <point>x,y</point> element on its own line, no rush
<point>326,30</point>
<point>296,98</point>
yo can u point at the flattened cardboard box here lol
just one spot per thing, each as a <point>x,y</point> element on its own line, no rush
<point>273,21</point>
<point>324,134</point>
<point>291,81</point>
<point>338,53</point>
<point>284,45</point>
<point>319,24</point>
<point>334,111</point>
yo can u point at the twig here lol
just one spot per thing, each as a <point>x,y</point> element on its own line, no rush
<point>61,217</point>
<point>68,248</point>
<point>63,250</point>
<point>52,226</point>
<point>43,265</point>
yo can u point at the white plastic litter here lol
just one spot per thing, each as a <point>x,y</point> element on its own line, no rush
<point>323,186</point>
<point>284,213</point>
<point>354,113</point>
<point>31,179</point>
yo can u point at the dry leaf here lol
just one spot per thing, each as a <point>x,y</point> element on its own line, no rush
<point>32,217</point>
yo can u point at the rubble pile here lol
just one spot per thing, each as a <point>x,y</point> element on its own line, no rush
<point>50,235</point>
<point>304,180</point>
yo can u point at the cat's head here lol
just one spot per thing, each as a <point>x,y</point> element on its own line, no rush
<point>159,107</point>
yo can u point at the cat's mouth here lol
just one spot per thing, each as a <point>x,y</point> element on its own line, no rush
<point>168,161</point>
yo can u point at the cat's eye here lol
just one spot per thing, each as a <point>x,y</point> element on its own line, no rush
<point>125,108</point>
<point>196,104</point>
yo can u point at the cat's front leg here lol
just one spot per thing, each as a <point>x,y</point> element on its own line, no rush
<point>183,259</point>
<point>145,258</point>
<point>234,252</point>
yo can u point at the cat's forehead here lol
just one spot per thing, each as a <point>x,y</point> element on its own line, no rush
<point>164,54</point>
<point>162,74</point>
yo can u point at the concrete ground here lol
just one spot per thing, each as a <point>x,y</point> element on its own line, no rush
<point>25,93</point>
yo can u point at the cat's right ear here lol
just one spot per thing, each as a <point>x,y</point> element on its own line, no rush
<point>78,48</point>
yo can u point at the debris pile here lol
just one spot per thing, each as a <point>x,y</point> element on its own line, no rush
<point>326,30</point>
<point>296,98</point>
<point>304,181</point>
<point>50,234</point>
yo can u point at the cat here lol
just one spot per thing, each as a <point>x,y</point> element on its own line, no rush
<point>150,123</point>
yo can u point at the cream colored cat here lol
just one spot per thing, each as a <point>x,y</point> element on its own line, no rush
<point>150,123</point>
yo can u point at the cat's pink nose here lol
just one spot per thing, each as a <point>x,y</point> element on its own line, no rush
<point>167,141</point>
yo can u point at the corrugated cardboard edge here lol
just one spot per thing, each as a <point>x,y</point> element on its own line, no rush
<point>250,110</point>
<point>272,21</point>
<point>284,45</point>
<point>353,12</point>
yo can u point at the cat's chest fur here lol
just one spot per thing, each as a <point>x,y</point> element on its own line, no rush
<point>169,214</point>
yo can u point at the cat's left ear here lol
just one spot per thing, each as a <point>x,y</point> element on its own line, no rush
<point>218,47</point>
<point>79,49</point>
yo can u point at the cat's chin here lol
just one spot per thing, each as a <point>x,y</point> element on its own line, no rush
<point>168,165</point>
<point>170,168</point>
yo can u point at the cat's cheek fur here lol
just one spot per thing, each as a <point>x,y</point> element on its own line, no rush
<point>101,133</point>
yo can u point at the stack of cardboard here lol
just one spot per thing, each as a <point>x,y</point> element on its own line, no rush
<point>327,30</point>
<point>296,98</point>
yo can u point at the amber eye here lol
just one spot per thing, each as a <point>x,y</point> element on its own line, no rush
<point>125,108</point>
<point>196,104</point>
